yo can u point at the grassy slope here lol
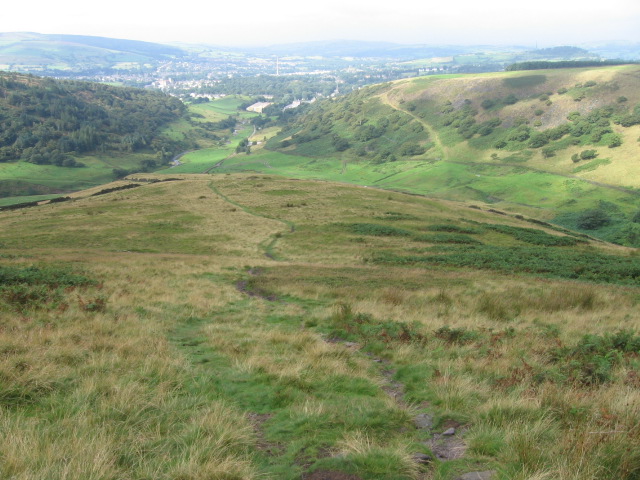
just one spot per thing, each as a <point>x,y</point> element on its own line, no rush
<point>99,170</point>
<point>516,178</point>
<point>611,83</point>
<point>213,344</point>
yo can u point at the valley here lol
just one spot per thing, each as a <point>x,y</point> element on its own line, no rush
<point>433,278</point>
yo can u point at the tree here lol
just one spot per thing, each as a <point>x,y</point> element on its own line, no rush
<point>340,144</point>
<point>538,140</point>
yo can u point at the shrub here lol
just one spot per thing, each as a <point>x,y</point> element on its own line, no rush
<point>548,152</point>
<point>521,134</point>
<point>456,335</point>
<point>455,228</point>
<point>593,219</point>
<point>411,150</point>
<point>347,324</point>
<point>340,144</point>
<point>487,103</point>
<point>377,230</point>
<point>536,260</point>
<point>538,140</point>
<point>593,359</point>
<point>50,276</point>
<point>23,296</point>
<point>614,141</point>
<point>534,236</point>
<point>447,238</point>
<point>588,154</point>
<point>510,99</point>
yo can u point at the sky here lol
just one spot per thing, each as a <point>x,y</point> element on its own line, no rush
<point>544,23</point>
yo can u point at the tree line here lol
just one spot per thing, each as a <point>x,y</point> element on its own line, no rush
<point>544,65</point>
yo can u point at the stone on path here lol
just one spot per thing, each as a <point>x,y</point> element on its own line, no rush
<point>424,421</point>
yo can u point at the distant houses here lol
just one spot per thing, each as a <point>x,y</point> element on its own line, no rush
<point>297,103</point>
<point>258,107</point>
<point>294,104</point>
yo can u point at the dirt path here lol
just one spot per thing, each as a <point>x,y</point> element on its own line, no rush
<point>268,244</point>
<point>433,135</point>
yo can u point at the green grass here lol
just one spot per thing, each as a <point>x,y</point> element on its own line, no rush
<point>202,160</point>
<point>220,108</point>
<point>24,199</point>
<point>98,171</point>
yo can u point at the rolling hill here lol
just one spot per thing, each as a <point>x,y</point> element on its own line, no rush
<point>558,144</point>
<point>36,52</point>
<point>250,326</point>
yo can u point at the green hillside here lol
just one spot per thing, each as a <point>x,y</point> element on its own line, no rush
<point>247,327</point>
<point>58,136</point>
<point>562,143</point>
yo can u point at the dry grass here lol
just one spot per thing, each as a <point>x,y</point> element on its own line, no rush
<point>111,394</point>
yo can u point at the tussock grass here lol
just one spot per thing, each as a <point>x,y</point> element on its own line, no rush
<point>181,373</point>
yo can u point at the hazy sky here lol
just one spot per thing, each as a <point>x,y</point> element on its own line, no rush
<point>249,22</point>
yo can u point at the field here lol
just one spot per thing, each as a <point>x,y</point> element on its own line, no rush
<point>203,160</point>
<point>246,326</point>
<point>221,108</point>
<point>19,180</point>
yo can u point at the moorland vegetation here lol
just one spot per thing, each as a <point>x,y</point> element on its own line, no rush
<point>249,326</point>
<point>239,326</point>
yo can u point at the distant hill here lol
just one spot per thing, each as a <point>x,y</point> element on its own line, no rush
<point>563,52</point>
<point>562,143</point>
<point>363,49</point>
<point>57,123</point>
<point>39,52</point>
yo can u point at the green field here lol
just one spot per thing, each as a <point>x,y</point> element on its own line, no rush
<point>515,189</point>
<point>433,136</point>
<point>221,108</point>
<point>200,161</point>
<point>98,170</point>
